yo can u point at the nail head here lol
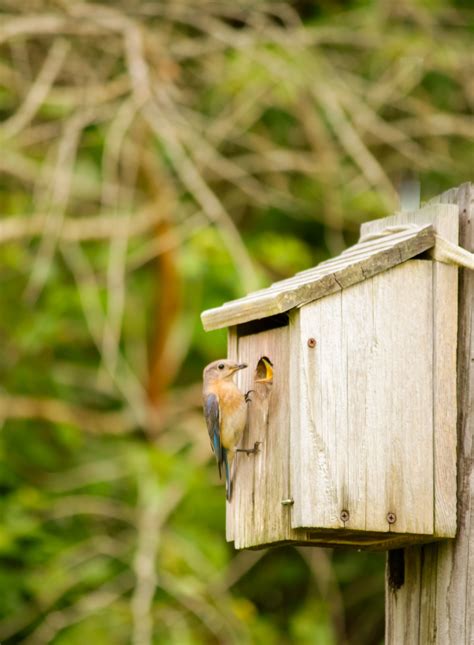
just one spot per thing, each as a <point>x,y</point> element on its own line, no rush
<point>391,518</point>
<point>311,342</point>
<point>344,515</point>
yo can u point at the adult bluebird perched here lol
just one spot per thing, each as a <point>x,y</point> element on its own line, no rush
<point>225,410</point>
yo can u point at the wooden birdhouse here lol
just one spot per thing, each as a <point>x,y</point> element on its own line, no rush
<point>353,368</point>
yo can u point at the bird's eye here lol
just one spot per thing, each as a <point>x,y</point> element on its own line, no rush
<point>221,366</point>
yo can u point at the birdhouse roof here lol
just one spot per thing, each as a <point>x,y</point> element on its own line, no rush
<point>371,255</point>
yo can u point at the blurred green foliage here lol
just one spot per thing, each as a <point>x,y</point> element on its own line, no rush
<point>158,159</point>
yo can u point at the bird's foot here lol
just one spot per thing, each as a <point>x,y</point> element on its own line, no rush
<point>247,396</point>
<point>251,451</point>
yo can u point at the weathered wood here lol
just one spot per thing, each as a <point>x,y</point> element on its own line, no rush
<point>440,216</point>
<point>248,521</point>
<point>232,354</point>
<point>372,405</point>
<point>255,516</point>
<point>360,262</point>
<point>361,444</point>
<point>435,604</point>
<point>448,253</point>
<point>261,481</point>
<point>445,221</point>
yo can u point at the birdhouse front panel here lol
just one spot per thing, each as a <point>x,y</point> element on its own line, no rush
<point>362,420</point>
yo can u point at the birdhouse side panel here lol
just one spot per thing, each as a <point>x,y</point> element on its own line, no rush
<point>258,513</point>
<point>362,445</point>
<point>445,283</point>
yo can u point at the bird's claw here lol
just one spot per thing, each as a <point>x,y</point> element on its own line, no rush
<point>247,396</point>
<point>251,451</point>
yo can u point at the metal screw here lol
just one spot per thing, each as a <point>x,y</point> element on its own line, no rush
<point>344,515</point>
<point>311,342</point>
<point>391,518</point>
<point>287,502</point>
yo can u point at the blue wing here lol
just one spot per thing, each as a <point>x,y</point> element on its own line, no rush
<point>212,414</point>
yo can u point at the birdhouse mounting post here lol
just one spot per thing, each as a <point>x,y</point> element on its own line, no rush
<point>430,588</point>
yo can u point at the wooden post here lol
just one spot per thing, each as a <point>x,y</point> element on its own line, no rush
<point>430,589</point>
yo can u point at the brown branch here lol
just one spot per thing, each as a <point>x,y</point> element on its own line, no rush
<point>167,308</point>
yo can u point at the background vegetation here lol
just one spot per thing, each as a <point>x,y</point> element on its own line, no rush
<point>157,159</point>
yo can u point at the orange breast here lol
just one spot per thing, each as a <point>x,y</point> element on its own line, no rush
<point>233,412</point>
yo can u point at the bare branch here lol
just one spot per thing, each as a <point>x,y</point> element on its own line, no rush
<point>86,605</point>
<point>125,379</point>
<point>60,192</point>
<point>59,412</point>
<point>44,25</point>
<point>82,229</point>
<point>69,505</point>
<point>114,198</point>
<point>38,91</point>
<point>156,506</point>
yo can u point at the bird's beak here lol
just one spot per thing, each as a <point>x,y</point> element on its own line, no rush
<point>242,366</point>
<point>268,378</point>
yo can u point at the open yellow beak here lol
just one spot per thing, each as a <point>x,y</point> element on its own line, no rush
<point>268,378</point>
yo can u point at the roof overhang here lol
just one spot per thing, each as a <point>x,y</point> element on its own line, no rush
<point>367,258</point>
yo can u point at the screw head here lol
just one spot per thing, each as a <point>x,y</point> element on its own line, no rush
<point>391,518</point>
<point>311,342</point>
<point>344,515</point>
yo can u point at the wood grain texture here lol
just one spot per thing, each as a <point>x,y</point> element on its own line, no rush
<point>232,354</point>
<point>384,359</point>
<point>445,220</point>
<point>448,253</point>
<point>363,439</point>
<point>435,605</point>
<point>253,519</point>
<point>358,263</point>
<point>256,513</point>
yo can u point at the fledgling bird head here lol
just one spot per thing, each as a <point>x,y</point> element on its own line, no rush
<point>221,370</point>
<point>264,371</point>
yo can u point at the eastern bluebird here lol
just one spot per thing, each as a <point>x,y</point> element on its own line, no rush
<point>225,410</point>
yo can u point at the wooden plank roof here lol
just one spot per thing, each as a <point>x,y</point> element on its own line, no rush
<point>370,256</point>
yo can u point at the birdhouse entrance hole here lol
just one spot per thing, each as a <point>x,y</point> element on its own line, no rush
<point>264,371</point>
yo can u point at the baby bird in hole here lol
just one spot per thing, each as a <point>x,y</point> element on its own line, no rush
<point>225,411</point>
